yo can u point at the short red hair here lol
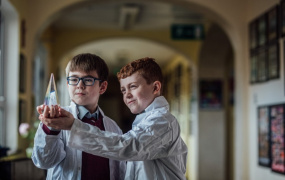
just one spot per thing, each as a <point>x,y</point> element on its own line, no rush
<point>147,67</point>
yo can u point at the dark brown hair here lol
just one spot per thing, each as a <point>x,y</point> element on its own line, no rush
<point>147,67</point>
<point>88,62</point>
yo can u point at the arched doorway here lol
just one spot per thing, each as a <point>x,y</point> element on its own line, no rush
<point>216,104</point>
<point>187,48</point>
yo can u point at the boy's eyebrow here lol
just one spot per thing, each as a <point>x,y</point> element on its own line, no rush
<point>90,76</point>
<point>132,82</point>
<point>84,76</point>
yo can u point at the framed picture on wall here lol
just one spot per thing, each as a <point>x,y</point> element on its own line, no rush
<point>262,30</point>
<point>210,94</point>
<point>277,138</point>
<point>273,61</point>
<point>273,19</point>
<point>262,65</point>
<point>263,136</point>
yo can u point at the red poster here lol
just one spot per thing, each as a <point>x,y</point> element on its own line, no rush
<point>277,138</point>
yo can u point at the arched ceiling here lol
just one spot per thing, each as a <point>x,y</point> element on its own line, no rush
<point>136,15</point>
<point>127,15</point>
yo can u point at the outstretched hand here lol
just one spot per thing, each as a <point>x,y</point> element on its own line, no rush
<point>64,121</point>
<point>52,111</point>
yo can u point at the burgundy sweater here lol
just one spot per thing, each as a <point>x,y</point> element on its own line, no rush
<point>93,167</point>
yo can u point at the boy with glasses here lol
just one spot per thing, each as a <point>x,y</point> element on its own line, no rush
<point>86,80</point>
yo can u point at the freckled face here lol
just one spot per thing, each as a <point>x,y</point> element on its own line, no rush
<point>86,96</point>
<point>137,94</point>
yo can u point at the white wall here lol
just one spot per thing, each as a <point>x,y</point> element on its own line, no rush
<point>212,145</point>
<point>267,93</point>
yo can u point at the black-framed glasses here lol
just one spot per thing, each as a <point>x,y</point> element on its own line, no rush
<point>87,81</point>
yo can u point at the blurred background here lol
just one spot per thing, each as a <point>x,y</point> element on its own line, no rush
<point>204,48</point>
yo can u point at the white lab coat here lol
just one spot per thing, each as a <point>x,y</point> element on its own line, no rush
<point>153,147</point>
<point>63,162</point>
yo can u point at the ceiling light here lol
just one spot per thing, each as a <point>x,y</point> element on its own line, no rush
<point>128,15</point>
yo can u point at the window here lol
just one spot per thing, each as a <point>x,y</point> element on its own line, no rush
<point>9,47</point>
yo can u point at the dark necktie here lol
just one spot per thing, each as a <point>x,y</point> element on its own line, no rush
<point>94,121</point>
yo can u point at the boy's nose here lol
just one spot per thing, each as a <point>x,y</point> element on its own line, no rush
<point>80,84</point>
<point>128,94</point>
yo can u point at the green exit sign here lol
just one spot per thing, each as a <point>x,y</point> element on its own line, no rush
<point>187,32</point>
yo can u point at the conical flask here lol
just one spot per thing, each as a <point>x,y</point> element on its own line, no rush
<point>51,94</point>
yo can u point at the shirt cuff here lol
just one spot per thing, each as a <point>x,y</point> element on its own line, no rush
<point>48,131</point>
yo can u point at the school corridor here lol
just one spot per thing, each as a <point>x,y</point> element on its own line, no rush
<point>223,66</point>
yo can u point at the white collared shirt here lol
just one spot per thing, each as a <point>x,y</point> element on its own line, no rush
<point>84,112</point>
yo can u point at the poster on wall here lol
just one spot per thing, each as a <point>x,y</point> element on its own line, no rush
<point>210,94</point>
<point>263,136</point>
<point>277,138</point>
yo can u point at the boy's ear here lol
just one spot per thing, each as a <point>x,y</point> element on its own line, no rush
<point>103,87</point>
<point>156,87</point>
